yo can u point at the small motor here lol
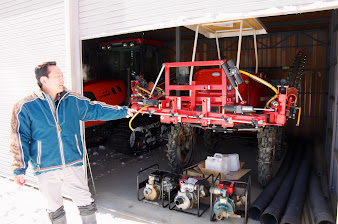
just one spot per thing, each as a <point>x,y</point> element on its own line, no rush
<point>153,189</point>
<point>170,183</point>
<point>228,186</point>
<point>224,206</point>
<point>187,195</point>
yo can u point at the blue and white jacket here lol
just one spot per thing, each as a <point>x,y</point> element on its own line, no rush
<point>48,136</point>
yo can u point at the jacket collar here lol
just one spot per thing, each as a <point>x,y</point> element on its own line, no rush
<point>42,94</point>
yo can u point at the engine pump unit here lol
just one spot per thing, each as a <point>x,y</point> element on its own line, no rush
<point>224,206</point>
<point>159,183</point>
<point>187,196</point>
<point>153,188</point>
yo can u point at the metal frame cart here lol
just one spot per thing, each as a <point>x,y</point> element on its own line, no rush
<point>247,194</point>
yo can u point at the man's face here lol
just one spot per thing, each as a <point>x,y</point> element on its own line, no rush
<point>54,83</point>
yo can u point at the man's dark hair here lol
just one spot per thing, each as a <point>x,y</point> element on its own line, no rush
<point>42,70</point>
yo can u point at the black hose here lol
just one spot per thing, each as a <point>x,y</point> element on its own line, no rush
<point>294,208</point>
<point>324,183</point>
<point>321,171</point>
<point>256,209</point>
<point>320,208</point>
<point>273,213</point>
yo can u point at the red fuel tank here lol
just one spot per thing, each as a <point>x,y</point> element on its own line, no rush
<point>254,93</point>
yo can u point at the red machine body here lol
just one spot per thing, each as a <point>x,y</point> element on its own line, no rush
<point>112,82</point>
<point>183,179</point>
<point>136,40</point>
<point>254,93</point>
<point>229,186</point>
<point>209,93</point>
<point>112,92</point>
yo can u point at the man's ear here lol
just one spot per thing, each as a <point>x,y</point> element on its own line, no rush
<point>43,79</point>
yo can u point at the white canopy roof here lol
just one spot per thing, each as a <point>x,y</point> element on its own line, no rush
<point>230,28</point>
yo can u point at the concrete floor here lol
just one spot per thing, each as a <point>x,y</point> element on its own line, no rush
<point>115,179</point>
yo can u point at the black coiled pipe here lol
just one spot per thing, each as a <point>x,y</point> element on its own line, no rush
<point>259,205</point>
<point>273,213</point>
<point>320,209</point>
<point>294,208</point>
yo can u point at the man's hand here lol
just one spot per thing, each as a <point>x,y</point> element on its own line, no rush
<point>19,179</point>
<point>130,112</point>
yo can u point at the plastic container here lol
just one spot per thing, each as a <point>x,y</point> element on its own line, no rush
<point>234,164</point>
<point>218,162</point>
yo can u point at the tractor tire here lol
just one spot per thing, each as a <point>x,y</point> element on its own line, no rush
<point>210,140</point>
<point>181,141</point>
<point>266,144</point>
<point>279,147</point>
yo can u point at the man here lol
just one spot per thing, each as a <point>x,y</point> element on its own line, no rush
<point>45,130</point>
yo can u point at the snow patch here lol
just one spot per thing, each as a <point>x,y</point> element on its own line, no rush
<point>23,204</point>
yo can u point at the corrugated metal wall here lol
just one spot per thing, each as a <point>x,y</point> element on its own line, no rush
<point>276,53</point>
<point>99,18</point>
<point>331,152</point>
<point>31,32</point>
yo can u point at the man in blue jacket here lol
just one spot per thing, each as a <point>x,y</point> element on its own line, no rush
<point>45,131</point>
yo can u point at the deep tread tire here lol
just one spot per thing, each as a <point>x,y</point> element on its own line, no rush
<point>181,140</point>
<point>279,147</point>
<point>210,140</point>
<point>266,144</point>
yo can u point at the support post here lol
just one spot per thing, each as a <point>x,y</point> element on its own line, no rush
<point>178,52</point>
<point>194,53</point>
<point>239,51</point>
<point>239,45</point>
<point>217,44</point>
<point>256,52</point>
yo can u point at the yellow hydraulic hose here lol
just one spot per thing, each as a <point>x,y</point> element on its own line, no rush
<point>131,128</point>
<point>270,100</point>
<point>299,112</point>
<point>264,83</point>
<point>260,80</point>
<point>161,90</point>
<point>141,95</point>
<point>143,89</point>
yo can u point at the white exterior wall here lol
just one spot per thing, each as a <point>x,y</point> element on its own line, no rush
<point>100,18</point>
<point>32,32</point>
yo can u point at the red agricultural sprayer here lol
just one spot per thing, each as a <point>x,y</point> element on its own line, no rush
<point>218,98</point>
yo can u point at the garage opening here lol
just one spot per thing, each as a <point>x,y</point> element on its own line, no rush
<point>116,154</point>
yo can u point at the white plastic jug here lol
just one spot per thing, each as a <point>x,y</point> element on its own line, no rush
<point>218,163</point>
<point>234,163</point>
<point>226,161</point>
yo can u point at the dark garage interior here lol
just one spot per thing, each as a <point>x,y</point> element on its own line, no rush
<point>114,166</point>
